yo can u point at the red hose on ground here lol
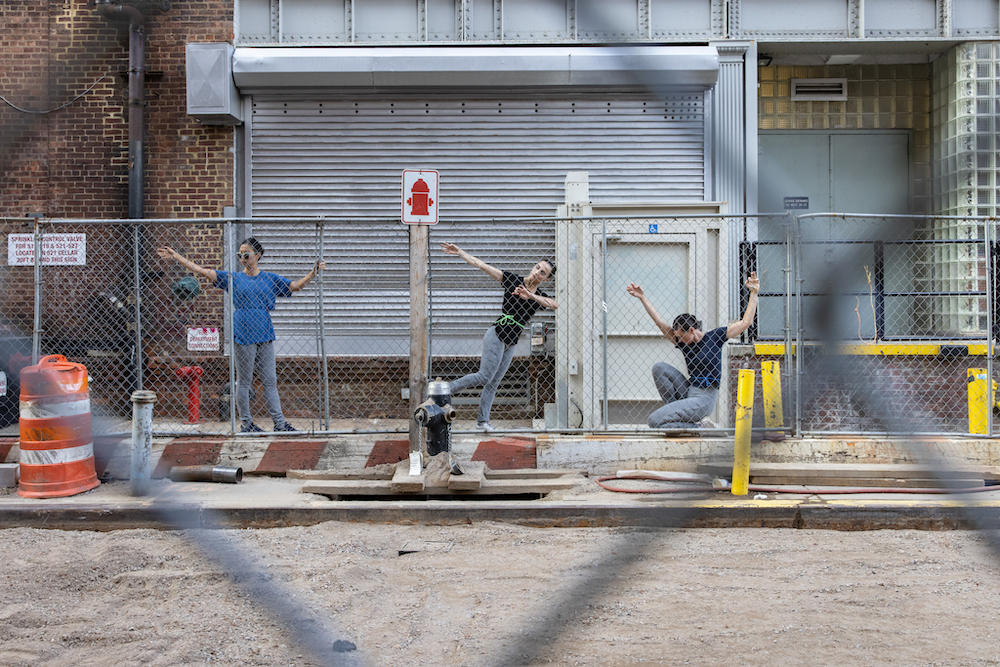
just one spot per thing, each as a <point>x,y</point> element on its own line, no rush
<point>809,491</point>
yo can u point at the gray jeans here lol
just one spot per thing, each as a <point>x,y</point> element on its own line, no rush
<point>260,355</point>
<point>685,405</point>
<point>492,367</point>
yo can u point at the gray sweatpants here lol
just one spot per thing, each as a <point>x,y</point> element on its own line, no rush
<point>492,367</point>
<point>685,405</point>
<point>260,355</point>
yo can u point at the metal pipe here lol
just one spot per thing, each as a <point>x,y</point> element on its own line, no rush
<point>136,97</point>
<point>220,474</point>
<point>324,367</point>
<point>142,441</point>
<point>36,333</point>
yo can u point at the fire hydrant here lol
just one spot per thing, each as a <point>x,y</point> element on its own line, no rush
<point>436,414</point>
<point>193,375</point>
<point>420,198</point>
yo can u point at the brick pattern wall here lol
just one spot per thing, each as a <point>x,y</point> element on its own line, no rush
<point>73,163</point>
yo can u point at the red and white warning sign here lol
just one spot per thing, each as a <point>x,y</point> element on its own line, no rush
<point>420,196</point>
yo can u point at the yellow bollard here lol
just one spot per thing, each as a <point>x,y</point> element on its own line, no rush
<point>744,421</point>
<point>978,403</point>
<point>770,384</point>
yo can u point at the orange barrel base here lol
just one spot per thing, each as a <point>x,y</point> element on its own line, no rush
<point>57,445</point>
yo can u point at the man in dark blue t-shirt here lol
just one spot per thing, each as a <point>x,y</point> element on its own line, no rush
<point>688,400</point>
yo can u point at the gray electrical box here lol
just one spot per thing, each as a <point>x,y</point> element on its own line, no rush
<point>212,96</point>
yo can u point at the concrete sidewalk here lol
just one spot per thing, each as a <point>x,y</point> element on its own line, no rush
<point>263,502</point>
<point>267,498</point>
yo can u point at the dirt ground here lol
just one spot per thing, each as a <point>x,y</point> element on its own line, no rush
<point>497,594</point>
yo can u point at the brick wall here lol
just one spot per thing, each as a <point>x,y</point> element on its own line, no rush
<point>73,162</point>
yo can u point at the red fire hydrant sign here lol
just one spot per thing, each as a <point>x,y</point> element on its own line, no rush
<point>420,196</point>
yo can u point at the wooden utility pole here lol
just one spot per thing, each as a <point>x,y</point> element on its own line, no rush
<point>419,235</point>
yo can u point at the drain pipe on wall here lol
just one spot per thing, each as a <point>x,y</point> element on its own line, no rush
<point>118,13</point>
<point>136,96</point>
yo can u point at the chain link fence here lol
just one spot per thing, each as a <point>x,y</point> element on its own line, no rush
<point>908,303</point>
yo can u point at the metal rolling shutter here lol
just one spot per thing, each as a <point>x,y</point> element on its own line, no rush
<point>500,157</point>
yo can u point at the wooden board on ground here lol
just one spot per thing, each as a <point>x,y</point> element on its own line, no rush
<point>436,479</point>
<point>901,475</point>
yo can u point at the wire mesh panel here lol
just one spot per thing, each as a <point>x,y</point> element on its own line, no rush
<point>479,327</point>
<point>899,297</point>
<point>907,302</point>
<point>666,299</point>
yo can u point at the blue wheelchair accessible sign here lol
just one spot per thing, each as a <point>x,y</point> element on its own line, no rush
<point>652,228</point>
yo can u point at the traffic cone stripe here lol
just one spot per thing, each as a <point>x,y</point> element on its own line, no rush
<point>41,457</point>
<point>48,408</point>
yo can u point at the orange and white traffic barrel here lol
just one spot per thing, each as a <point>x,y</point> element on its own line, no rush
<point>57,444</point>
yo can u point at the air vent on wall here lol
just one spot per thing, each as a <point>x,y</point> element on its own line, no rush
<point>820,90</point>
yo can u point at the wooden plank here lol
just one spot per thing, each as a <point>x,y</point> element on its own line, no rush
<point>371,487</point>
<point>881,482</point>
<point>516,486</point>
<point>532,473</point>
<point>363,473</point>
<point>470,479</point>
<point>871,470</point>
<point>348,487</point>
<point>404,482</point>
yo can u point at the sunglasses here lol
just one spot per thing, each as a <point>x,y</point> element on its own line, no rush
<point>245,255</point>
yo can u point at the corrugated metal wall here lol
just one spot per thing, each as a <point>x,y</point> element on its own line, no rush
<point>501,156</point>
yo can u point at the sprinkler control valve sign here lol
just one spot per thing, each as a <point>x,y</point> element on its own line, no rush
<point>57,249</point>
<point>203,339</point>
<point>420,196</point>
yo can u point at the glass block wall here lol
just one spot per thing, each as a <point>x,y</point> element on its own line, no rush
<point>878,97</point>
<point>965,117</point>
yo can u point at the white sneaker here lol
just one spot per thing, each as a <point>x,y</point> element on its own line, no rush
<point>485,427</point>
<point>706,423</point>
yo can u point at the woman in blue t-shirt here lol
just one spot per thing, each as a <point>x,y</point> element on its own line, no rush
<point>688,400</point>
<point>254,293</point>
<point>521,298</point>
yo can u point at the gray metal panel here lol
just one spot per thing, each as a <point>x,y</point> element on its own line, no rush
<point>498,157</point>
<point>674,68</point>
<point>211,94</point>
<point>760,19</point>
<point>901,18</point>
<point>975,18</point>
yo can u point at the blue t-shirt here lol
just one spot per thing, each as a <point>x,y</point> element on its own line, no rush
<point>704,358</point>
<point>253,299</point>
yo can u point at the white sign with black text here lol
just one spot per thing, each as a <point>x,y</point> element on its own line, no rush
<point>57,250</point>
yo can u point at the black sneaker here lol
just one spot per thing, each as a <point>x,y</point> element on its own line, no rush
<point>250,428</point>
<point>286,428</point>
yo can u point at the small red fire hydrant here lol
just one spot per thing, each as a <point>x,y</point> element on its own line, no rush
<point>193,375</point>
<point>420,198</point>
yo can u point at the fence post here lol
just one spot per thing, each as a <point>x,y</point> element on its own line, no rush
<point>744,421</point>
<point>988,233</point>
<point>230,249</point>
<point>794,239</point>
<point>324,368</point>
<point>137,284</point>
